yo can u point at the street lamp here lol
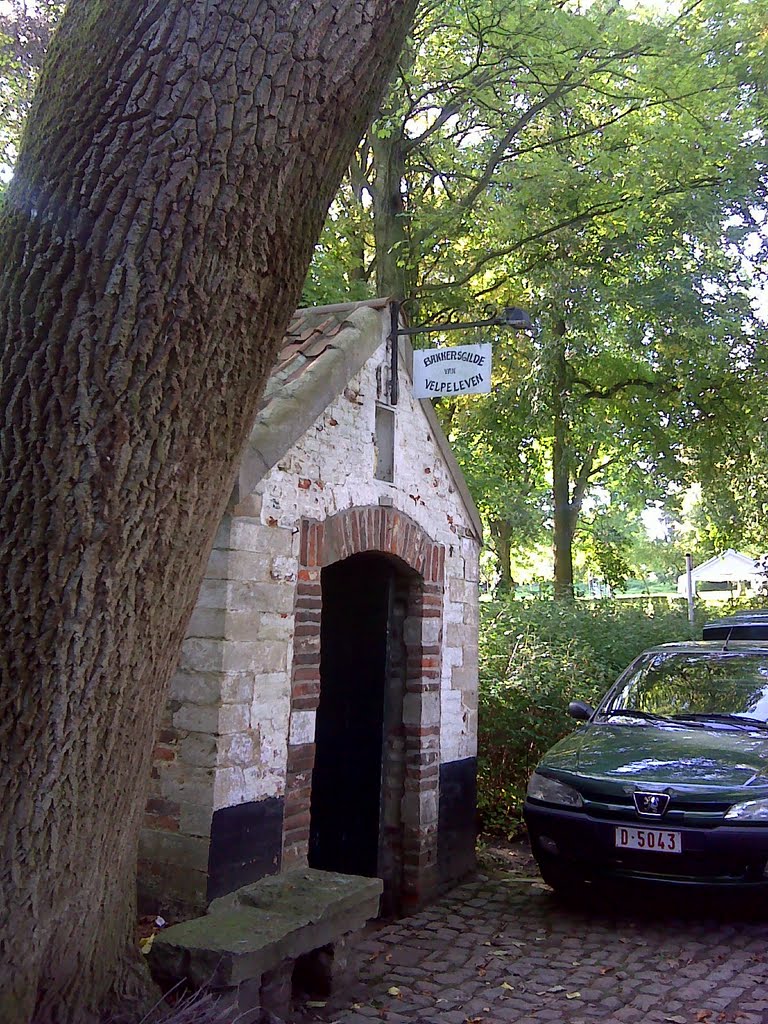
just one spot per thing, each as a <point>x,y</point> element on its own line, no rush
<point>511,316</point>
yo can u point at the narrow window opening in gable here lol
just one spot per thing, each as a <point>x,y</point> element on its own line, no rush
<point>384,444</point>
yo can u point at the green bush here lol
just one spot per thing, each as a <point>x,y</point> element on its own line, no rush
<point>537,656</point>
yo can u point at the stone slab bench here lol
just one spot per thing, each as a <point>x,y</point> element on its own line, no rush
<point>257,944</point>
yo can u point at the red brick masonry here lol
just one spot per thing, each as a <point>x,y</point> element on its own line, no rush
<point>351,532</point>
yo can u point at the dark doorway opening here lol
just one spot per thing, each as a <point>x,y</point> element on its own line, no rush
<point>359,771</point>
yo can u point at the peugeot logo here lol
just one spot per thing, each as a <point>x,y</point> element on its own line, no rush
<point>651,804</point>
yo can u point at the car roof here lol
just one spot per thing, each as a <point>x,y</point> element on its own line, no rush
<point>758,646</point>
<point>749,624</point>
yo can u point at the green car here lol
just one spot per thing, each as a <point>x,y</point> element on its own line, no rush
<point>666,781</point>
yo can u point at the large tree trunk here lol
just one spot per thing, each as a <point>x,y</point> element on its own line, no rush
<point>393,254</point>
<point>563,514</point>
<point>501,532</point>
<point>178,164</point>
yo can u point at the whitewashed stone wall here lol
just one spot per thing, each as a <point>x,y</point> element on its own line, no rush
<point>224,741</point>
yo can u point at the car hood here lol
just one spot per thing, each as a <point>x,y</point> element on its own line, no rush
<point>666,755</point>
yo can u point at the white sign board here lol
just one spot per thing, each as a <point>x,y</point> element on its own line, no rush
<point>447,372</point>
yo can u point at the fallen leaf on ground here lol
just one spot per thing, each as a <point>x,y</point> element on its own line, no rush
<point>394,991</point>
<point>573,995</point>
<point>675,1018</point>
<point>146,944</point>
<point>507,986</point>
<point>315,1003</point>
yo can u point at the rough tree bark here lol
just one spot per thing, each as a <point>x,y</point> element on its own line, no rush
<point>393,276</point>
<point>178,164</point>
<point>562,456</point>
<point>570,477</point>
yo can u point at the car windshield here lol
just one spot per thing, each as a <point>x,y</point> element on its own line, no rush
<point>676,684</point>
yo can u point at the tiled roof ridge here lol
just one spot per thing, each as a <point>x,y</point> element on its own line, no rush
<point>341,307</point>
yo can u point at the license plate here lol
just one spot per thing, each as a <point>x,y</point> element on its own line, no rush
<point>655,839</point>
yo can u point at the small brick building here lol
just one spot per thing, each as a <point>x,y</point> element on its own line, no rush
<point>324,706</point>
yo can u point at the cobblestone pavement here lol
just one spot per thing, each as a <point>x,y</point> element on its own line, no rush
<point>503,949</point>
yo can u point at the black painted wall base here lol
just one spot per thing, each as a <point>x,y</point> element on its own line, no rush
<point>457,828</point>
<point>246,844</point>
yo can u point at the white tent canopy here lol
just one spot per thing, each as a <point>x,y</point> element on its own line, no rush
<point>730,567</point>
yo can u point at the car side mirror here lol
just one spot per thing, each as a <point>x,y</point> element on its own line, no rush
<point>580,710</point>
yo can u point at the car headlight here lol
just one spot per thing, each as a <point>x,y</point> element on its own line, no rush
<point>750,810</point>
<point>553,792</point>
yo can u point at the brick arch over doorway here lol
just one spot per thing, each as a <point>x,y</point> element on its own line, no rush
<point>389,532</point>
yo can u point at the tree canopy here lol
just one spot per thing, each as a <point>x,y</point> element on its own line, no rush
<point>604,167</point>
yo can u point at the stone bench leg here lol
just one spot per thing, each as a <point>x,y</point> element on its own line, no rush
<point>276,989</point>
<point>325,970</point>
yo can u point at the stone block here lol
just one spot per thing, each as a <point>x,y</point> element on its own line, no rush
<point>276,989</point>
<point>206,623</point>
<point>274,626</point>
<point>236,687</point>
<point>163,889</point>
<point>197,718</point>
<point>284,568</point>
<point>302,727</point>
<point>240,749</point>
<point>196,687</point>
<point>212,594</point>
<point>188,784</point>
<point>239,655</point>
<point>262,781</point>
<point>221,540</point>
<point>457,634</point>
<point>195,819</point>
<point>229,788</point>
<point>460,590</point>
<point>199,749</point>
<point>249,506</point>
<point>184,852</point>
<point>255,930</point>
<point>248,566</point>
<point>261,597</point>
<point>464,677</point>
<point>271,657</point>
<point>217,566</point>
<point>250,534</point>
<point>272,723</point>
<point>420,808</point>
<point>421,709</point>
<point>270,686</point>
<point>234,718</point>
<point>201,655</point>
<point>308,894</point>
<point>325,971</point>
<point>471,613</point>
